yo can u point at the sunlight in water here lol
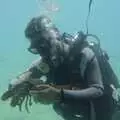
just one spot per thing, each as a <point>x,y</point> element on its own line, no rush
<point>48,7</point>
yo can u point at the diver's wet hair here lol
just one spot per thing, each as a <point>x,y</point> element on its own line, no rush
<point>38,24</point>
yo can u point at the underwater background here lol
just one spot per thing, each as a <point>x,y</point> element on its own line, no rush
<point>69,16</point>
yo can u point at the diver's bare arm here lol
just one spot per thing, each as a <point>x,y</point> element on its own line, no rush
<point>32,74</point>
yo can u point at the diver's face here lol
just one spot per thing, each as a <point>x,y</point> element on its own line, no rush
<point>55,53</point>
<point>47,45</point>
<point>55,46</point>
<point>39,46</point>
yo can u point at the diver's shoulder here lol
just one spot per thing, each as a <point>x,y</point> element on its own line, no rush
<point>87,53</point>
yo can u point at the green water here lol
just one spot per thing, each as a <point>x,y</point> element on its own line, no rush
<point>14,57</point>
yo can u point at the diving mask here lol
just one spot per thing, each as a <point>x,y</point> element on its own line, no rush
<point>33,50</point>
<point>37,48</point>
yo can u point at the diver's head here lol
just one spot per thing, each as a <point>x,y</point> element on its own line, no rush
<point>44,38</point>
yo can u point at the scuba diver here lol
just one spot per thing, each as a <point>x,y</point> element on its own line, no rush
<point>80,79</point>
<point>75,69</point>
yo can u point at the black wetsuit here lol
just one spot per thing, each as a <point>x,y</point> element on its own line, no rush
<point>87,103</point>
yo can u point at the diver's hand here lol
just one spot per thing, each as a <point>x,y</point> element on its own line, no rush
<point>46,93</point>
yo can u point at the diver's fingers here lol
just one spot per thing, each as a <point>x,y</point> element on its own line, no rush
<point>40,90</point>
<point>32,92</point>
<point>38,87</point>
<point>6,95</point>
<point>36,81</point>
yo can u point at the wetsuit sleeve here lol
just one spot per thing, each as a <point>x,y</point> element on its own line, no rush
<point>93,77</point>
